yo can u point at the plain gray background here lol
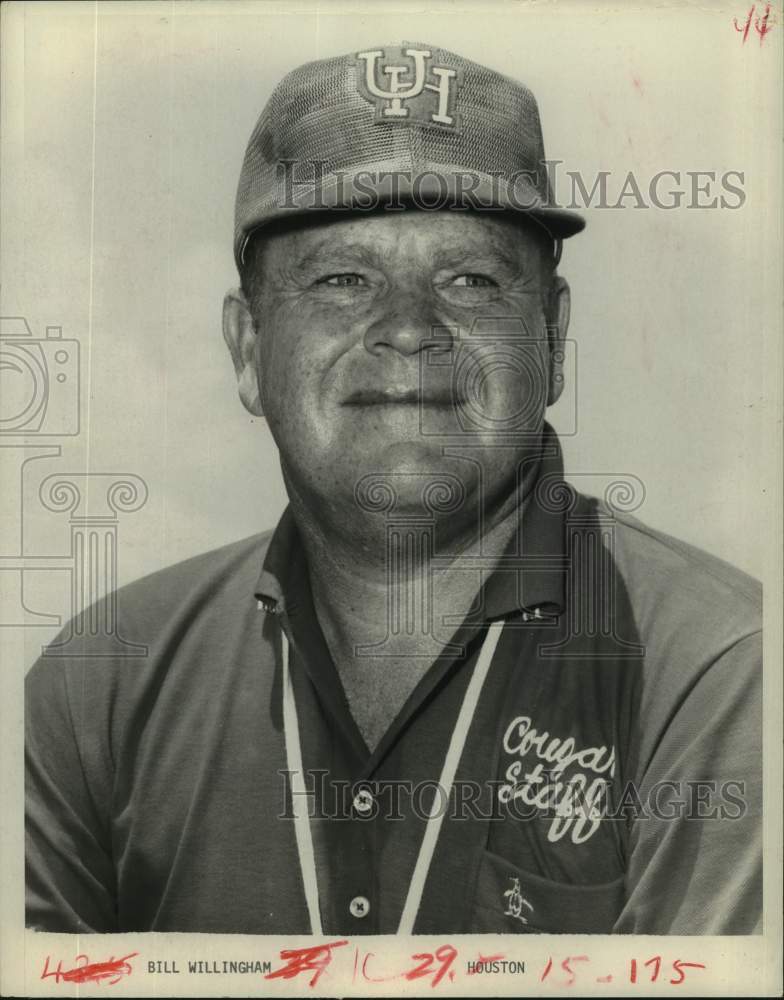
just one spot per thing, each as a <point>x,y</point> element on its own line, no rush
<point>121,156</point>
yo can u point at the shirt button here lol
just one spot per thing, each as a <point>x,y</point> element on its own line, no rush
<point>359,907</point>
<point>363,801</point>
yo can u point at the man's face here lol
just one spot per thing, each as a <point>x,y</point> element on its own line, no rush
<point>379,339</point>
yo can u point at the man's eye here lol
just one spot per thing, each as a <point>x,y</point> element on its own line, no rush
<point>473,281</point>
<point>343,280</point>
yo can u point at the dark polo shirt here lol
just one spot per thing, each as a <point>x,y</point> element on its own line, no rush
<point>628,670</point>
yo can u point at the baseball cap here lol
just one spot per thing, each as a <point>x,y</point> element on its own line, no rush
<point>393,125</point>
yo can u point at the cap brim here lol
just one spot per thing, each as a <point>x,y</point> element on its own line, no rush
<point>433,187</point>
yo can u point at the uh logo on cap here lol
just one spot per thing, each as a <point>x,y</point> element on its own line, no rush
<point>404,86</point>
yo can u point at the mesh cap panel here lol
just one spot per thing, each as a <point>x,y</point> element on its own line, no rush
<point>408,108</point>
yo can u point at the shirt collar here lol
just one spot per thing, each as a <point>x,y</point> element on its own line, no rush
<point>529,579</point>
<point>531,575</point>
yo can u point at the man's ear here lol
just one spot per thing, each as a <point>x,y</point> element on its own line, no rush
<point>240,336</point>
<point>559,308</point>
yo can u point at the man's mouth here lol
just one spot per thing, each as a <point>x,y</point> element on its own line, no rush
<point>400,397</point>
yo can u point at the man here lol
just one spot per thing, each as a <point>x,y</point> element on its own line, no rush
<point>448,693</point>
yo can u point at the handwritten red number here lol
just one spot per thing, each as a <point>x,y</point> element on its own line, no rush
<point>446,955</point>
<point>745,28</point>
<point>678,966</point>
<point>90,972</point>
<point>314,959</point>
<point>565,965</point>
<point>47,974</point>
<point>656,966</point>
<point>426,960</point>
<point>567,968</point>
<point>761,25</point>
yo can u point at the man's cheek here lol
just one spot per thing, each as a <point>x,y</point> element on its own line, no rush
<point>291,390</point>
<point>509,383</point>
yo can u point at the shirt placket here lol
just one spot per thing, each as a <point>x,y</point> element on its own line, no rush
<point>342,827</point>
<point>361,852</point>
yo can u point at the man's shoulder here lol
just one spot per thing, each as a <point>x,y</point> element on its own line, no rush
<point>680,595</point>
<point>669,560</point>
<point>227,569</point>
<point>139,622</point>
<point>151,661</point>
<point>699,622</point>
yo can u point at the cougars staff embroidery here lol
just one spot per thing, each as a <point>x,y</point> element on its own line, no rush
<point>577,798</point>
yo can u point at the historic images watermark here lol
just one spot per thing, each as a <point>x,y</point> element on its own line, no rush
<point>313,185</point>
<point>570,807</point>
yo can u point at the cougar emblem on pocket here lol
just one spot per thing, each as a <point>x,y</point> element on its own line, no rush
<point>516,901</point>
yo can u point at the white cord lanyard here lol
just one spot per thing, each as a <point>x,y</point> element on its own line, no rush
<point>303,833</point>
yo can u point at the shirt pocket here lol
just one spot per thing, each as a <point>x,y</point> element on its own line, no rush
<point>509,900</point>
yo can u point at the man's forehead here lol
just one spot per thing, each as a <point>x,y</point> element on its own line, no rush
<point>449,235</point>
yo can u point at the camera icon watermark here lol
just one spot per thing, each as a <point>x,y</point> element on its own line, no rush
<point>39,404</point>
<point>498,377</point>
<point>39,381</point>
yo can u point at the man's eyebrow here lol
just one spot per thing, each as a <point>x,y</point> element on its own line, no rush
<point>462,257</point>
<point>329,250</point>
<point>513,263</point>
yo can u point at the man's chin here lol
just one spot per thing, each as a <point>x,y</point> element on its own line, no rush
<point>413,456</point>
<point>412,476</point>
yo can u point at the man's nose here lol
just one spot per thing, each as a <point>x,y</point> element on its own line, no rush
<point>408,325</point>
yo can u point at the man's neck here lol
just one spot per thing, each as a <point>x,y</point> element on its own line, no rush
<point>376,582</point>
<point>385,596</point>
